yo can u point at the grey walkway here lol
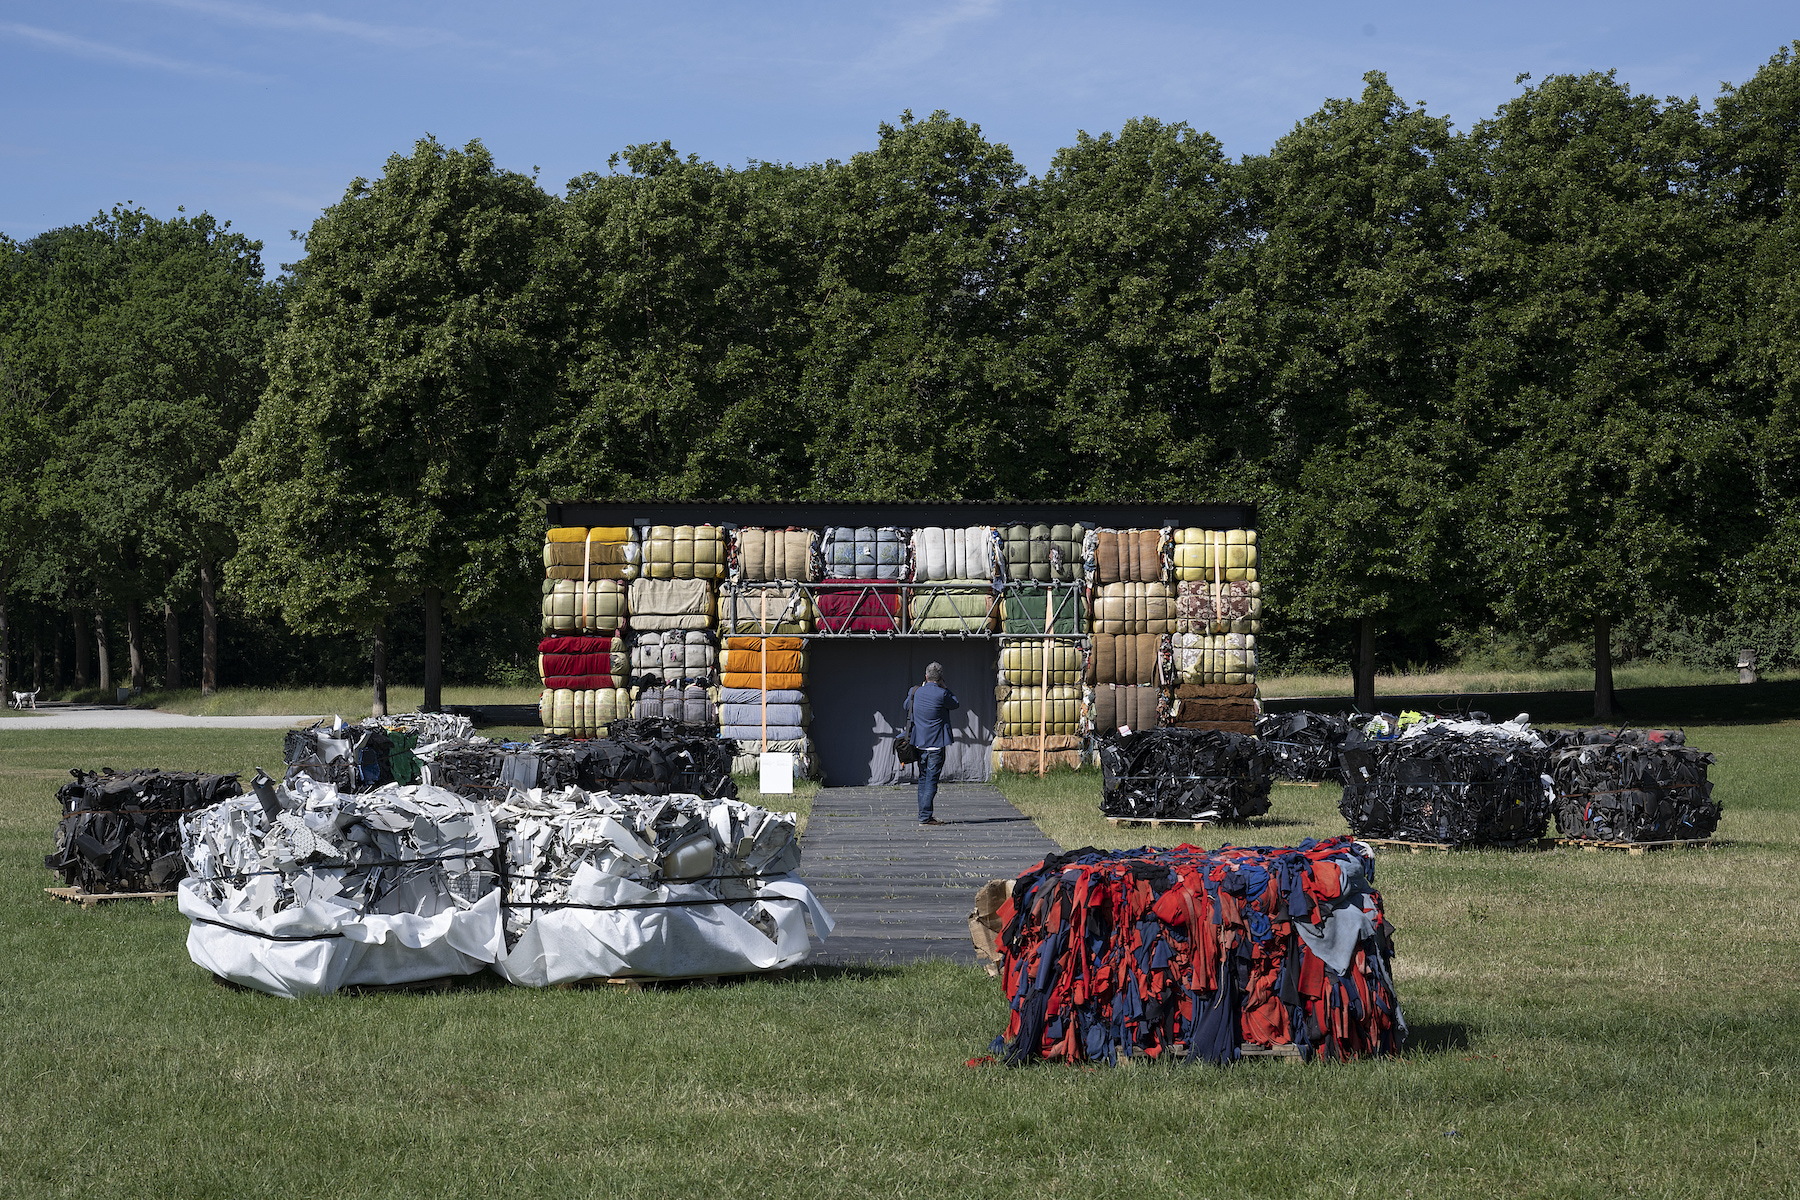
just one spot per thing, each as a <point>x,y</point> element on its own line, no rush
<point>902,892</point>
<point>105,717</point>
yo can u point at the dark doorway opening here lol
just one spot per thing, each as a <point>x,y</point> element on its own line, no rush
<point>857,690</point>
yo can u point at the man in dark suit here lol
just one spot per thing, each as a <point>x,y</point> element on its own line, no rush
<point>928,708</point>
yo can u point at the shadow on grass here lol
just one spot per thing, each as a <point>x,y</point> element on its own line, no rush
<point>1704,704</point>
<point>827,972</point>
<point>1437,1037</point>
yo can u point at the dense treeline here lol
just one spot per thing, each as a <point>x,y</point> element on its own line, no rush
<point>1497,392</point>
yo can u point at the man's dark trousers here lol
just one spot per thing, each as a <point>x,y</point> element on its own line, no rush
<point>931,765</point>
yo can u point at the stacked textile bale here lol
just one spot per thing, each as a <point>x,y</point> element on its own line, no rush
<point>774,555</point>
<point>858,610</point>
<point>1117,707</point>
<point>582,714</point>
<point>574,552</point>
<point>1305,744</point>
<point>1128,555</point>
<point>671,604</point>
<point>866,553</point>
<point>1218,658</point>
<point>966,555</point>
<point>1219,555</point>
<point>1184,774</point>
<point>684,552</point>
<point>583,663</point>
<point>1124,670</point>
<point>606,887</point>
<point>1225,707</point>
<point>1635,785</point>
<point>1022,678</point>
<point>951,610</point>
<point>676,674</point>
<point>764,704</point>
<point>121,831</point>
<point>1447,782</point>
<point>1134,608</point>
<point>1022,709</point>
<point>1028,552</point>
<point>573,606</point>
<point>302,890</point>
<point>1207,607</point>
<point>1022,663</point>
<point>1025,606</point>
<point>1199,954</point>
<point>765,609</point>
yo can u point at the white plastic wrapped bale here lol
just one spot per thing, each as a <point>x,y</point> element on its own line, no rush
<point>666,887</point>
<point>964,555</point>
<point>865,552</point>
<point>671,604</point>
<point>299,890</point>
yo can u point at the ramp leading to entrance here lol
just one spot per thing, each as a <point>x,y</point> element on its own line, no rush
<point>902,892</point>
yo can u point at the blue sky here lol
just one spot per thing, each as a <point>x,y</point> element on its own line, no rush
<point>262,112</point>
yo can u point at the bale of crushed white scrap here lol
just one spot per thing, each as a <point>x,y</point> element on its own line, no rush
<point>600,886</point>
<point>302,890</point>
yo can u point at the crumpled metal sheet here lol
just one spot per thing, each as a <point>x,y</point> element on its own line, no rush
<point>1632,786</point>
<point>303,889</point>
<point>121,830</point>
<point>1305,744</point>
<point>603,886</point>
<point>1457,782</point>
<point>370,752</point>
<point>1184,774</point>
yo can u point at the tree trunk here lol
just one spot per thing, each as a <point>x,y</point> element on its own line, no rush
<point>378,702</point>
<point>81,650</point>
<point>1365,666</point>
<point>434,645</point>
<point>102,655</point>
<point>5,651</point>
<point>134,636</point>
<point>1603,680</point>
<point>171,646</point>
<point>209,628</point>
<point>37,653</point>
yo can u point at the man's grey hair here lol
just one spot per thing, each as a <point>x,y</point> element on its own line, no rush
<point>934,673</point>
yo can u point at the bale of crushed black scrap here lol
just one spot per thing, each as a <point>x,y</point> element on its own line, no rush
<point>1183,775</point>
<point>1305,744</point>
<point>477,767</point>
<point>650,757</point>
<point>121,830</point>
<point>1447,782</point>
<point>303,889</point>
<point>1632,786</point>
<point>603,886</point>
<point>370,753</point>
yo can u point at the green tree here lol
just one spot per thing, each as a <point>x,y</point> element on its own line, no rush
<point>1610,457</point>
<point>406,386</point>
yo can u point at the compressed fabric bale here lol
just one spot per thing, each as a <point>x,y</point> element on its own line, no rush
<point>751,749</point>
<point>1185,713</point>
<point>1183,774</point>
<point>752,733</point>
<point>1125,658</point>
<point>1129,555</point>
<point>857,610</point>
<point>1132,707</point>
<point>1019,713</point>
<point>689,705</point>
<point>604,887</point>
<point>739,662</point>
<point>1022,664</point>
<point>1206,607</point>
<point>1024,607</point>
<point>737,695</point>
<point>582,713</point>
<point>752,680</point>
<point>1446,782</point>
<point>583,663</point>
<point>1228,555</point>
<point>765,555</point>
<point>746,716</point>
<point>571,606</point>
<point>576,552</point>
<point>1028,550</point>
<point>1025,762</point>
<point>951,610</point>
<point>305,890</point>
<point>1215,691</point>
<point>1214,658</point>
<point>121,831</point>
<point>671,604</point>
<point>1198,952</point>
<point>1134,608</point>
<point>765,610</point>
<point>1305,744</point>
<point>660,658</point>
<point>866,552</point>
<point>1635,785</point>
<point>963,554</point>
<point>673,552</point>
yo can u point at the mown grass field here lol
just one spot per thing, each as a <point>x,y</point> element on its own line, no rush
<point>1583,1025</point>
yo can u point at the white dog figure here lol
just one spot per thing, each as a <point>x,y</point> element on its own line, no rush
<point>21,699</point>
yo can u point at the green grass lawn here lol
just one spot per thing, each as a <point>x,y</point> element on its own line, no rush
<point>1583,1025</point>
<point>1634,675</point>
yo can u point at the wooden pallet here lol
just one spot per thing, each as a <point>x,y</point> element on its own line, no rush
<point>1593,846</point>
<point>1156,822</point>
<point>1445,847</point>
<point>89,899</point>
<point>1288,1053</point>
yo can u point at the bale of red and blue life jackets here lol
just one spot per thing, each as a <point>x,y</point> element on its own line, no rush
<point>1199,954</point>
<point>1305,744</point>
<point>1447,782</point>
<point>1183,774</point>
<point>1632,786</point>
